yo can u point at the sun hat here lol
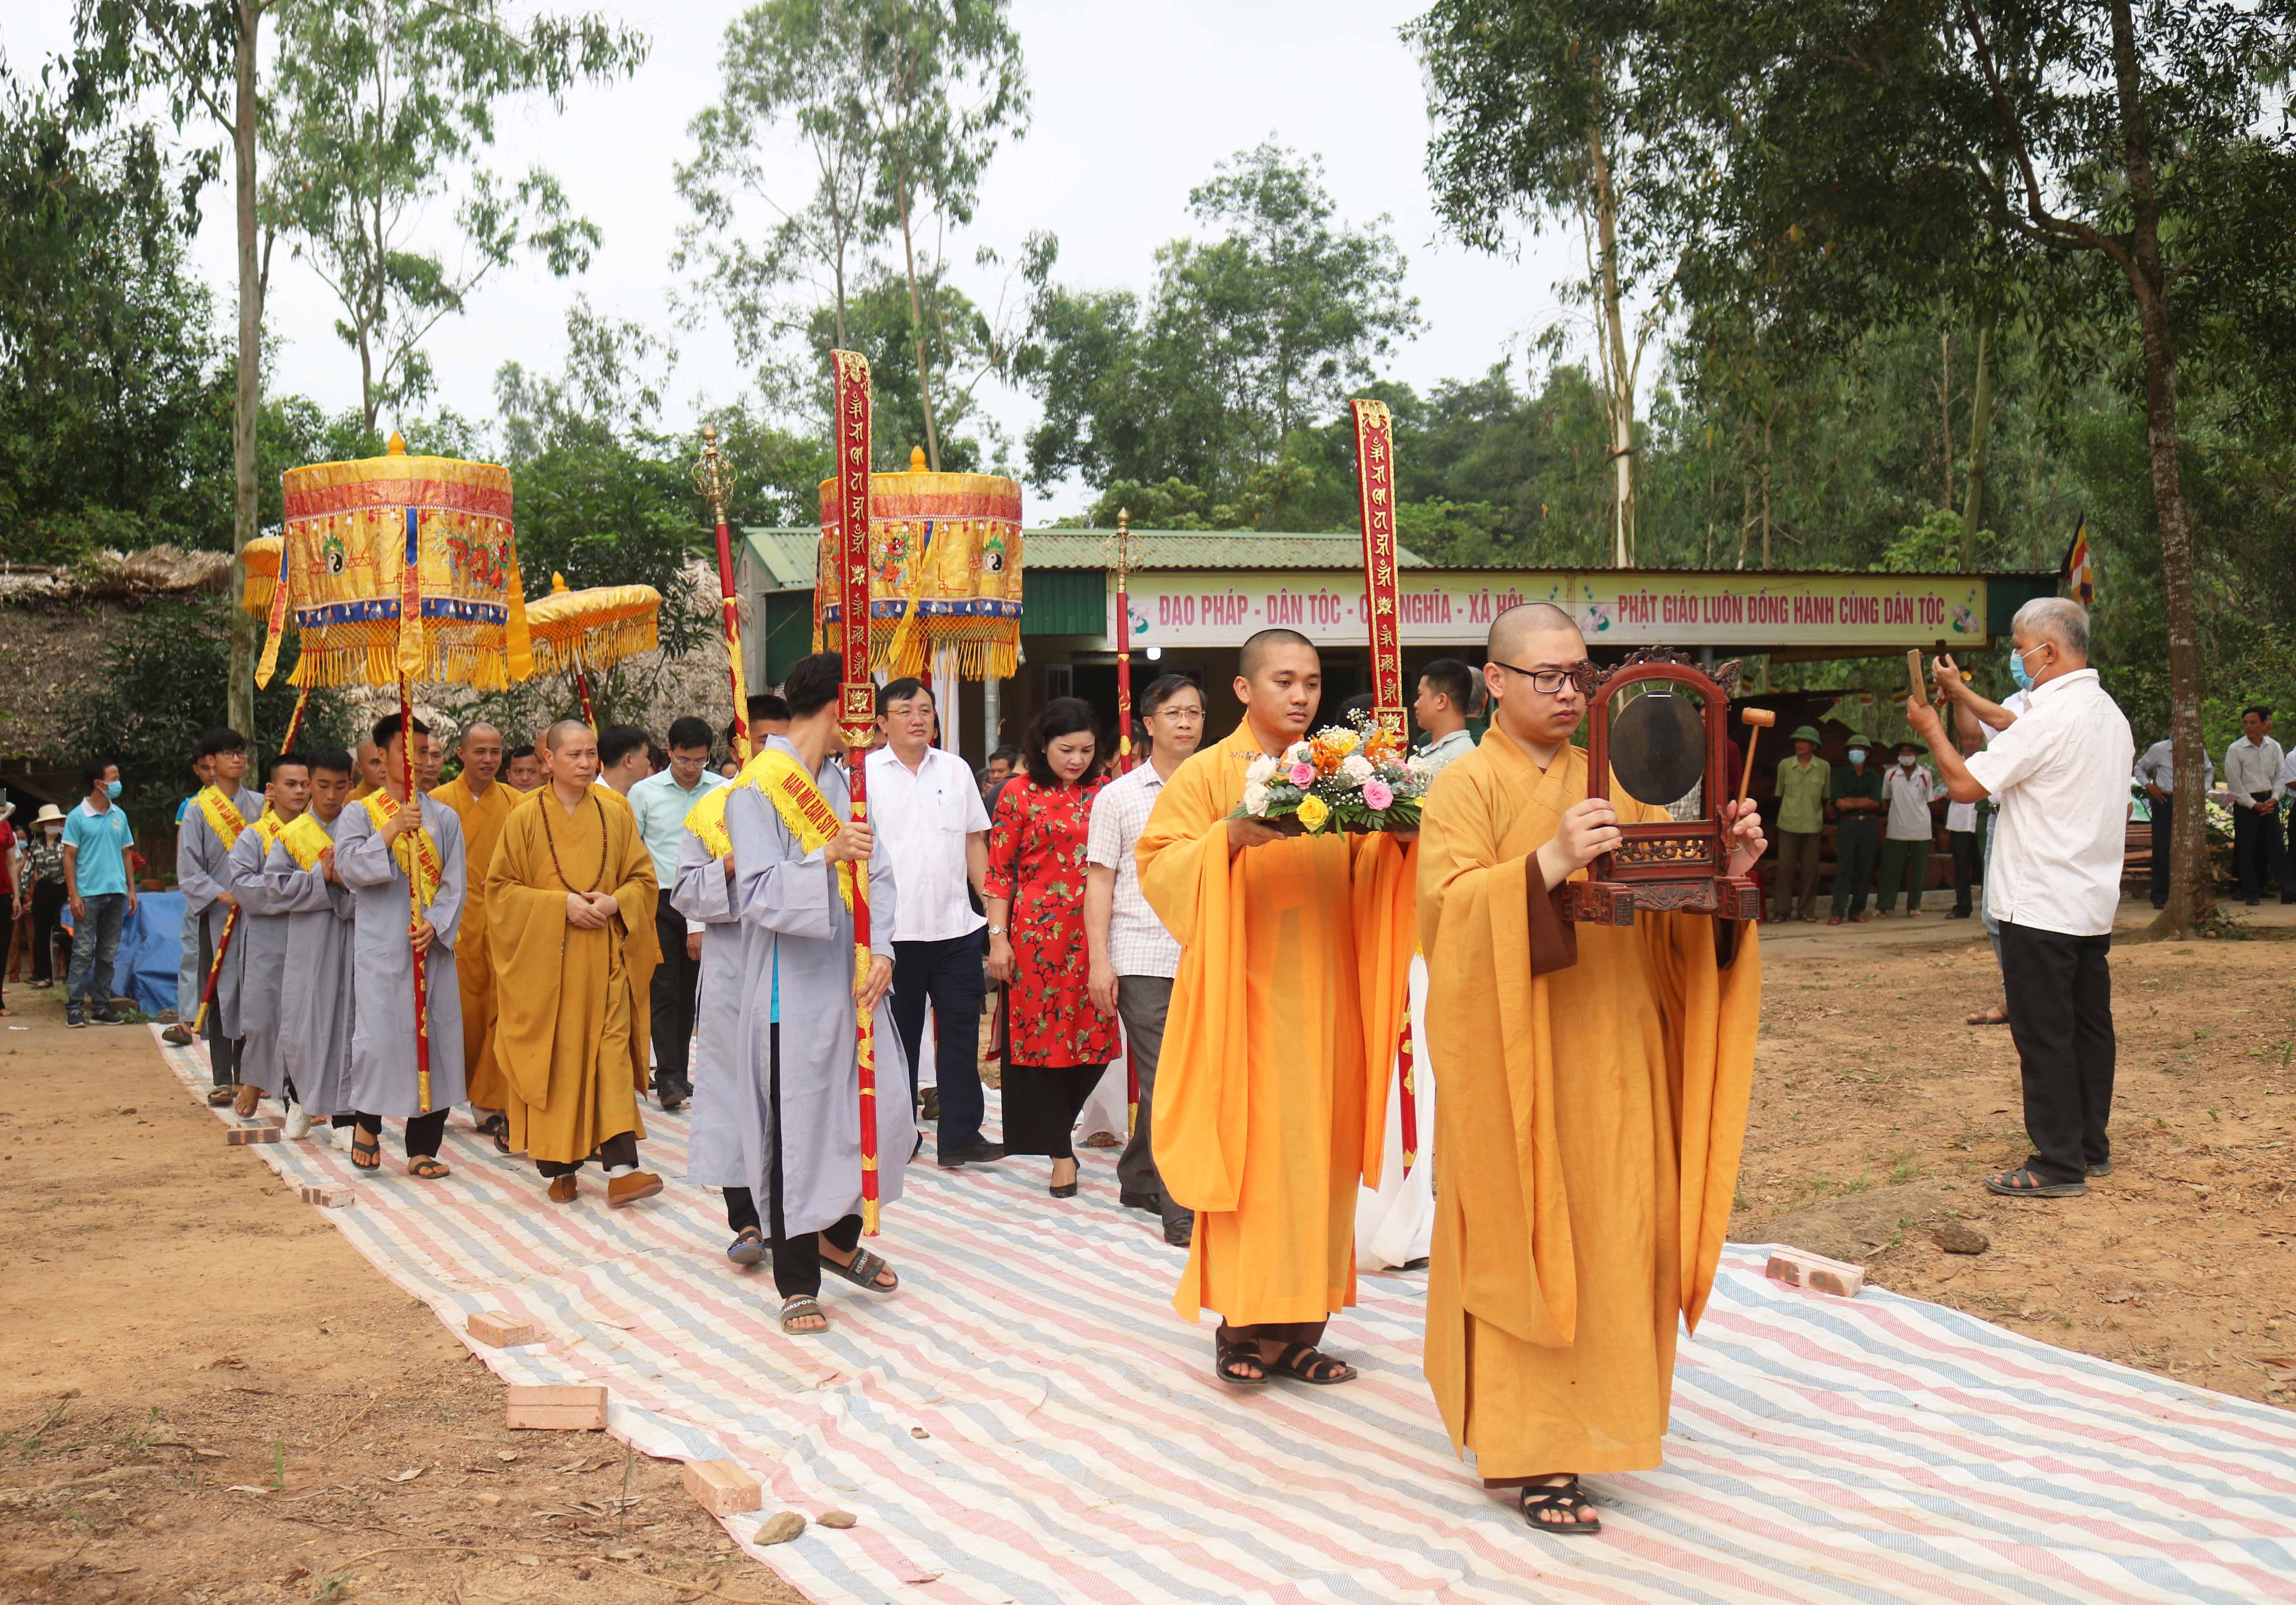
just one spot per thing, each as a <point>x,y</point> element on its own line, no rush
<point>49,814</point>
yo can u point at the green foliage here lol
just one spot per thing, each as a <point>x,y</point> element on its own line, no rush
<point>113,404</point>
<point>160,684</point>
<point>379,106</point>
<point>1932,545</point>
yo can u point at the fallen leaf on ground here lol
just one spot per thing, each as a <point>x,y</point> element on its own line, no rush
<point>409,1474</point>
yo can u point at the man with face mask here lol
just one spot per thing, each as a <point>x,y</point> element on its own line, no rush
<point>1909,789</point>
<point>1857,834</point>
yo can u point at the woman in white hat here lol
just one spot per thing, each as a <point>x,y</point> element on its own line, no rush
<point>43,881</point>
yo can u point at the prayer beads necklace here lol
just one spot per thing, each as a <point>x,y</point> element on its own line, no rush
<point>550,836</point>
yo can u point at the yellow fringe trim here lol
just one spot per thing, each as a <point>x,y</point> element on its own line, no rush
<point>562,651</point>
<point>484,666</point>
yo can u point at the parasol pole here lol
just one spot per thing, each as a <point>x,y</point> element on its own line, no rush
<point>582,689</point>
<point>231,920</point>
<point>857,715</point>
<point>709,478</point>
<point>1124,648</point>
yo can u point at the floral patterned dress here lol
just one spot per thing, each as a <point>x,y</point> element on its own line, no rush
<point>1036,858</point>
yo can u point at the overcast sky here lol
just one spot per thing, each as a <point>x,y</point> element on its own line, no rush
<point>1133,102</point>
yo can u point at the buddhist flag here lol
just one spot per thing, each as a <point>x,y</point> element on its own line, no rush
<point>2080,578</point>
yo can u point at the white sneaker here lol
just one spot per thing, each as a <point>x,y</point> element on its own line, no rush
<point>298,1124</point>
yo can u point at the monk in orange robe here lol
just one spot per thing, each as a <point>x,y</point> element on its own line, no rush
<point>1594,1099</point>
<point>1269,1112</point>
<point>482,803</point>
<point>569,926</point>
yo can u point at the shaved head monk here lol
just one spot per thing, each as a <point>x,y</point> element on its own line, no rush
<point>483,804</point>
<point>1594,1098</point>
<point>1268,1117</point>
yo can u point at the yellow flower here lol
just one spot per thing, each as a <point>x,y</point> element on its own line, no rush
<point>1312,812</point>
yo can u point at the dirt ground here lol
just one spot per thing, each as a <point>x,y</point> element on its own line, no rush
<point>210,1396</point>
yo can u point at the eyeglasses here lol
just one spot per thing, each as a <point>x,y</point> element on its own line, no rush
<point>1547,682</point>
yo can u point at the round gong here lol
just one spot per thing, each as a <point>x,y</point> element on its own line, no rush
<point>1657,747</point>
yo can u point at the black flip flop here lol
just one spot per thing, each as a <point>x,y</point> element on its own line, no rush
<point>425,1167</point>
<point>862,1272</point>
<point>748,1248</point>
<point>2024,1183</point>
<point>1226,1356</point>
<point>366,1152</point>
<point>1304,1363</point>
<point>798,1308</point>
<point>1560,1496</point>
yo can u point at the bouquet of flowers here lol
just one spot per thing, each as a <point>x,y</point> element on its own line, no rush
<point>1357,778</point>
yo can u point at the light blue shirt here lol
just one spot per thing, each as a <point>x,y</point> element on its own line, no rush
<point>662,805</point>
<point>102,841</point>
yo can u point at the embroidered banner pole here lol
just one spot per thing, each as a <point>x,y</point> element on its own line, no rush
<point>1376,487</point>
<point>711,480</point>
<point>1124,645</point>
<point>414,890</point>
<point>857,710</point>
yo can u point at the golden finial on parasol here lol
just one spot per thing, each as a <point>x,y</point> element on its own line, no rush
<point>575,631</point>
<point>397,569</point>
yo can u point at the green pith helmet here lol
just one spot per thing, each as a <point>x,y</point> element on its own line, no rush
<point>1808,733</point>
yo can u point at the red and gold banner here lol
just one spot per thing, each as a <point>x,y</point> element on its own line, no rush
<point>857,708</point>
<point>1375,482</point>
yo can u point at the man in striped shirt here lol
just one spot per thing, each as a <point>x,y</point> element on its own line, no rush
<point>1134,959</point>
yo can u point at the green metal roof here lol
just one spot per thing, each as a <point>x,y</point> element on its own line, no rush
<point>788,554</point>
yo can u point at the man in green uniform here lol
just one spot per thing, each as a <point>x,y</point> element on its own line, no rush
<point>1804,782</point>
<point>1858,835</point>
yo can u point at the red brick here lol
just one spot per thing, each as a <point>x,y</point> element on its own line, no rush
<point>329,1197</point>
<point>500,1331</point>
<point>721,1488</point>
<point>578,1408</point>
<point>240,1136</point>
<point>1799,1268</point>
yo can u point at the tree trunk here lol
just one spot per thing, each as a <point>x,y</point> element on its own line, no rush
<point>1769,417</point>
<point>918,329</point>
<point>1945,409</point>
<point>239,696</point>
<point>1981,432</point>
<point>1622,379</point>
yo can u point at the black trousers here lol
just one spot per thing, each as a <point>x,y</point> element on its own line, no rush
<point>1966,871</point>
<point>222,1051</point>
<point>2164,831</point>
<point>2259,853</point>
<point>48,901</point>
<point>1041,1106</point>
<point>797,1260</point>
<point>422,1130</point>
<point>676,983</point>
<point>2061,1015</point>
<point>947,976</point>
<point>620,1149</point>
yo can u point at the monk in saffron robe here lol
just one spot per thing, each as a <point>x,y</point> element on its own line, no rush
<point>1269,1112</point>
<point>570,923</point>
<point>1595,1087</point>
<point>482,804</point>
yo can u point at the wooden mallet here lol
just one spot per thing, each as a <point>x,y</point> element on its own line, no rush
<point>1757,720</point>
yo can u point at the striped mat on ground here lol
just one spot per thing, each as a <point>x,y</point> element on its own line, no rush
<point>1027,1420</point>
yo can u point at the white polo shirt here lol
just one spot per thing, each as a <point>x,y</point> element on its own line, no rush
<point>924,819</point>
<point>2060,776</point>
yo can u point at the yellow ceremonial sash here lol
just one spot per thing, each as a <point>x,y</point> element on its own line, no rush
<point>805,814</point>
<point>417,852</point>
<point>306,839</point>
<point>222,815</point>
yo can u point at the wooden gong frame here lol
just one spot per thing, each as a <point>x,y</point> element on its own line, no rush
<point>1673,865</point>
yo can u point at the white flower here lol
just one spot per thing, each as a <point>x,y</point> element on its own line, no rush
<point>1255,797</point>
<point>1418,764</point>
<point>1354,769</point>
<point>1299,751</point>
<point>1259,771</point>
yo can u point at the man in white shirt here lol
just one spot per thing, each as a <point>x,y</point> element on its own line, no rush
<point>625,757</point>
<point>2060,773</point>
<point>1447,689</point>
<point>660,803</point>
<point>925,805</point>
<point>2252,766</point>
<point>2157,770</point>
<point>1907,790</point>
<point>1134,959</point>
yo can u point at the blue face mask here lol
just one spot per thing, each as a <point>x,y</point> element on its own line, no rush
<point>2017,671</point>
<point>1857,754</point>
<point>111,790</point>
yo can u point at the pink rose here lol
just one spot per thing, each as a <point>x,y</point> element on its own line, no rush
<point>1378,795</point>
<point>1303,775</point>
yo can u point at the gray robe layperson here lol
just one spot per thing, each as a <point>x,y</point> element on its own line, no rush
<point>797,963</point>
<point>202,875</point>
<point>314,1004</point>
<point>704,895</point>
<point>382,1079</point>
<point>260,948</point>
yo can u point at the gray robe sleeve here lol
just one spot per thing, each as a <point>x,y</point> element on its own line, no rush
<point>701,891</point>
<point>363,859</point>
<point>202,866</point>
<point>288,888</point>
<point>247,883</point>
<point>775,886</point>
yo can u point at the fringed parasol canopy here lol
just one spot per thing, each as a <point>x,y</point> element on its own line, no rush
<point>261,556</point>
<point>944,556</point>
<point>396,568</point>
<point>572,630</point>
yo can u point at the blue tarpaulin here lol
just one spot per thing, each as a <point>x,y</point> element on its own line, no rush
<point>150,947</point>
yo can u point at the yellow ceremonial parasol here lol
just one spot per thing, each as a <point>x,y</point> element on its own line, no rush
<point>397,569</point>
<point>261,556</point>
<point>574,632</point>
